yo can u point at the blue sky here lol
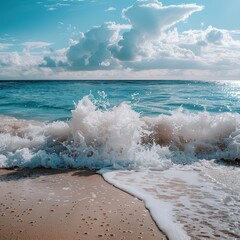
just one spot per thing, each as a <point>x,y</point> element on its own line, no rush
<point>75,39</point>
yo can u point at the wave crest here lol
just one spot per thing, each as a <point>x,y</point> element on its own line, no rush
<point>120,138</point>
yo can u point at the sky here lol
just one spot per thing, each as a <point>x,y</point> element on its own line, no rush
<point>113,39</point>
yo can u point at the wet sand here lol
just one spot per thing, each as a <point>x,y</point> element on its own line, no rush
<point>74,204</point>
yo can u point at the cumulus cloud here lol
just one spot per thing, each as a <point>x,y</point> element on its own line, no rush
<point>156,16</point>
<point>55,58</point>
<point>214,36</point>
<point>136,43</point>
<point>151,43</point>
<point>4,46</point>
<point>34,45</point>
<point>91,52</point>
<point>128,47</point>
<point>48,62</point>
<point>10,59</point>
<point>104,47</point>
<point>212,45</point>
<point>13,59</point>
<point>167,63</point>
<point>210,35</point>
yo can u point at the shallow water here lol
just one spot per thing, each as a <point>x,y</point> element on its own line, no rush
<point>166,134</point>
<point>184,202</point>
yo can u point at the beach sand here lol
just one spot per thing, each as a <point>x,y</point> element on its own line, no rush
<point>69,204</point>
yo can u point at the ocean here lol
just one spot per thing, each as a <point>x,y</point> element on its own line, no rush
<point>173,144</point>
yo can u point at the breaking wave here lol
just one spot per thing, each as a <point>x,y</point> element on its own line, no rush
<point>98,136</point>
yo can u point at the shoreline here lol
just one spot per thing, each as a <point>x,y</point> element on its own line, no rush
<point>69,204</point>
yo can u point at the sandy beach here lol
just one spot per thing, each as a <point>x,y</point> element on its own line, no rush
<point>70,204</point>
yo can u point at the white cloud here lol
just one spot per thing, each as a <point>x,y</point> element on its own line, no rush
<point>55,59</point>
<point>10,59</point>
<point>14,59</point>
<point>62,5</point>
<point>156,16</point>
<point>48,62</point>
<point>4,46</point>
<point>147,47</point>
<point>34,45</point>
<point>212,45</point>
<point>146,44</point>
<point>214,36</point>
<point>92,49</point>
<point>52,9</point>
<point>56,4</point>
<point>110,9</point>
<point>118,27</point>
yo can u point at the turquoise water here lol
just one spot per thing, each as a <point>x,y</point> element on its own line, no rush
<point>193,120</point>
<point>54,100</point>
<point>162,141</point>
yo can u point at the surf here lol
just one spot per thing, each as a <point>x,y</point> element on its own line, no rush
<point>119,137</point>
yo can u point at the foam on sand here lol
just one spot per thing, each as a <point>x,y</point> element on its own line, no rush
<point>161,155</point>
<point>184,202</point>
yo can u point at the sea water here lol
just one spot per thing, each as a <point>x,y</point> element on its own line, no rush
<point>173,144</point>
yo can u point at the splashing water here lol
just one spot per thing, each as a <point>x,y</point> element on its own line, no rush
<point>98,136</point>
<point>167,158</point>
<point>94,138</point>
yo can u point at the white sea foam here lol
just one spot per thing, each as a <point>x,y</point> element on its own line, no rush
<point>184,202</point>
<point>119,138</point>
<point>192,136</point>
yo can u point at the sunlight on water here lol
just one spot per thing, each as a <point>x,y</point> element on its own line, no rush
<point>48,101</point>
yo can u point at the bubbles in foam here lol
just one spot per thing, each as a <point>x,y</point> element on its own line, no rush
<point>184,203</point>
<point>113,137</point>
<point>98,136</point>
<point>94,138</point>
<point>197,136</point>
